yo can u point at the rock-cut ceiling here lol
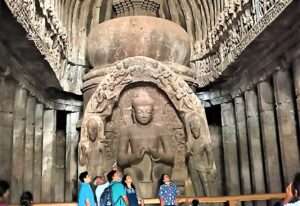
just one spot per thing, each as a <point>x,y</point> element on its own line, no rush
<point>219,29</point>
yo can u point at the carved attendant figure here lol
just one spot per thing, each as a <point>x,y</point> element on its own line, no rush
<point>91,151</point>
<point>201,161</point>
<point>139,151</point>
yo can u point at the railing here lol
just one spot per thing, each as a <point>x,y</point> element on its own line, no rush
<point>230,200</point>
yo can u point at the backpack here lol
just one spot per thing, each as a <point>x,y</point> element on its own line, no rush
<point>106,197</point>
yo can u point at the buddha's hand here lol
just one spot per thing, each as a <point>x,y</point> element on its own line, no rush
<point>155,154</point>
<point>143,151</point>
<point>138,156</point>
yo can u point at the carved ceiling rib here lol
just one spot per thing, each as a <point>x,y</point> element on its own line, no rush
<point>220,29</point>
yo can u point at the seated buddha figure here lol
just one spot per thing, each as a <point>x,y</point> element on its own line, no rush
<point>144,151</point>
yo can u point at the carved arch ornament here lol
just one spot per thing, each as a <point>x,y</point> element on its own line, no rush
<point>142,69</point>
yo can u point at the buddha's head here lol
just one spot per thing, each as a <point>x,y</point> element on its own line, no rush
<point>142,105</point>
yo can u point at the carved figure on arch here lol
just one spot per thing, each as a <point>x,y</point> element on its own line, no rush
<point>92,148</point>
<point>201,163</point>
<point>179,171</point>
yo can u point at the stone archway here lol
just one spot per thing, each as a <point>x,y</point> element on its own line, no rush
<point>142,69</point>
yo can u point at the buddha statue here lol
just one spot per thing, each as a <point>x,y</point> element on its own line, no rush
<point>144,152</point>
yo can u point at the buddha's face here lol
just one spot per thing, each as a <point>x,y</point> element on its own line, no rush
<point>92,129</point>
<point>143,114</point>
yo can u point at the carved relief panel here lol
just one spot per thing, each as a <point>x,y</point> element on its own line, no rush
<point>152,122</point>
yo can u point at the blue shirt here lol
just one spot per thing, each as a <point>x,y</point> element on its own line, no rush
<point>86,194</point>
<point>132,198</point>
<point>118,191</point>
<point>168,192</point>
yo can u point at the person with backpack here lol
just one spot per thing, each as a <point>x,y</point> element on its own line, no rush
<point>103,184</point>
<point>115,193</point>
<point>130,190</point>
<point>86,194</point>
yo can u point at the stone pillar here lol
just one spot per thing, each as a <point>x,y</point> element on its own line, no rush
<point>7,95</point>
<point>255,143</point>
<point>296,74</point>
<point>240,118</point>
<point>286,124</point>
<point>60,152</point>
<point>269,137</point>
<point>48,165</point>
<point>232,177</point>
<point>29,144</point>
<point>216,136</point>
<point>72,139</point>
<point>18,144</point>
<point>38,149</point>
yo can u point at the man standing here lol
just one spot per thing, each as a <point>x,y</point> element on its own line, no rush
<point>119,197</point>
<point>96,182</point>
<point>86,195</point>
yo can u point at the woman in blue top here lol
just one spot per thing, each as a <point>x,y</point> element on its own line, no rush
<point>85,195</point>
<point>130,190</point>
<point>167,191</point>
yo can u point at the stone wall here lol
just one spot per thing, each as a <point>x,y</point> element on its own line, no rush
<point>260,134</point>
<point>35,153</point>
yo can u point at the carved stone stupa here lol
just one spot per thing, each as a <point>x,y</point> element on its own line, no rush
<point>149,120</point>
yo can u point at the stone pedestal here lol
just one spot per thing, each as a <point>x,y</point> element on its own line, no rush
<point>146,189</point>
